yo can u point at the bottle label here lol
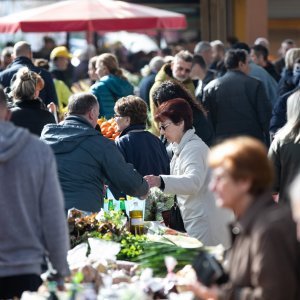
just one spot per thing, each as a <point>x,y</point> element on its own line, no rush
<point>137,221</point>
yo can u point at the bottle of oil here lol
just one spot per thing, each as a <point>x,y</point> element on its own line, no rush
<point>136,220</point>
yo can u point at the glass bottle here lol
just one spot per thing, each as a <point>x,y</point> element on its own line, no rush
<point>52,288</point>
<point>111,204</point>
<point>136,220</point>
<point>123,207</point>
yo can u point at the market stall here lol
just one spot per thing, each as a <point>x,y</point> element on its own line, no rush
<point>109,261</point>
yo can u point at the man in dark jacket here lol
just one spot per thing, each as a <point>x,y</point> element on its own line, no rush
<point>202,74</point>
<point>23,57</point>
<point>259,54</point>
<point>86,160</point>
<point>237,104</point>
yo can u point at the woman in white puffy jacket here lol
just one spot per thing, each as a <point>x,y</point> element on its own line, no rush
<point>189,177</point>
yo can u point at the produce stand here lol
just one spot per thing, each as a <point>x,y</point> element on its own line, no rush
<point>109,262</point>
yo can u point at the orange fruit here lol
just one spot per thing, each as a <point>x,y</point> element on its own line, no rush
<point>115,135</point>
<point>108,134</point>
<point>105,124</point>
<point>111,128</point>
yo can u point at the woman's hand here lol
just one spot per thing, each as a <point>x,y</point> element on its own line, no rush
<point>153,181</point>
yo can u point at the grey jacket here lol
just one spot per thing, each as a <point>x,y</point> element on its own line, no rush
<point>86,161</point>
<point>32,219</point>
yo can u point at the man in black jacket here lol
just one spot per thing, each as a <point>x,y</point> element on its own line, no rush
<point>237,104</point>
<point>23,58</point>
<point>259,54</point>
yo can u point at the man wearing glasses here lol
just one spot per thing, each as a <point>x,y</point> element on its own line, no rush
<point>179,71</point>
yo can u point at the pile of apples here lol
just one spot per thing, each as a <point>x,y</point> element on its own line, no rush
<point>108,128</point>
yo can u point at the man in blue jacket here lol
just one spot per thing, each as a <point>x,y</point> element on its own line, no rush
<point>23,58</point>
<point>86,160</point>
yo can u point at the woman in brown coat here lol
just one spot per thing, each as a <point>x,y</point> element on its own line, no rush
<point>264,260</point>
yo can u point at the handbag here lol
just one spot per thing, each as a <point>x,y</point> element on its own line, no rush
<point>172,217</point>
<point>208,270</point>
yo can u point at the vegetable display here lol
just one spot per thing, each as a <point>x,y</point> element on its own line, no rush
<point>108,128</point>
<point>149,251</point>
<point>109,226</point>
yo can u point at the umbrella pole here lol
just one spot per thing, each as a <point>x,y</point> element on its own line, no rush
<point>158,38</point>
<point>68,40</point>
<point>92,38</point>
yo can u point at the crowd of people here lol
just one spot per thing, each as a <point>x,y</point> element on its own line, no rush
<point>219,128</point>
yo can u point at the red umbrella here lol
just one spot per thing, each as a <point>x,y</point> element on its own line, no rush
<point>91,15</point>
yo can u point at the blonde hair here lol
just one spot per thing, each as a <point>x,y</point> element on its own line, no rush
<point>291,130</point>
<point>291,56</point>
<point>244,158</point>
<point>110,61</point>
<point>26,84</point>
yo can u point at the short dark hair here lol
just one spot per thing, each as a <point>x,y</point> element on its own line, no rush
<point>232,40</point>
<point>172,89</point>
<point>81,103</point>
<point>241,45</point>
<point>233,57</point>
<point>176,110</point>
<point>133,107</point>
<point>261,50</point>
<point>199,60</point>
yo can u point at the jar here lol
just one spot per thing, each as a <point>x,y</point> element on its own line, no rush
<point>136,222</point>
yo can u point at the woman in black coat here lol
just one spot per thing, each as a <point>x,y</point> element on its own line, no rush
<point>28,110</point>
<point>170,90</point>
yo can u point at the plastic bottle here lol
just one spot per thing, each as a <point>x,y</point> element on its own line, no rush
<point>136,220</point>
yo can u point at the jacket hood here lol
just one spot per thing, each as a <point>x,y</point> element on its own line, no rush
<point>65,137</point>
<point>164,73</point>
<point>117,85</point>
<point>12,140</point>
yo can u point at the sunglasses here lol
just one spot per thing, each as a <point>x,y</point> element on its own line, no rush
<point>164,126</point>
